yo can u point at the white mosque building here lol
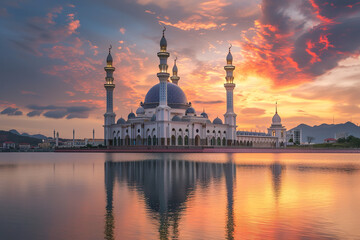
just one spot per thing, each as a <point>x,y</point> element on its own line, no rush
<point>166,118</point>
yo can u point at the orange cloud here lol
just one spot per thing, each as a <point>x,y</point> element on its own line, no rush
<point>192,23</point>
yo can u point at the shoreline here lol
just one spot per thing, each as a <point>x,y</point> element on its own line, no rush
<point>208,150</point>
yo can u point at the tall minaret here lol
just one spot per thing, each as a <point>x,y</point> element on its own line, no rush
<point>109,86</point>
<point>73,138</point>
<point>54,133</point>
<point>93,142</point>
<point>230,116</point>
<point>175,78</point>
<point>57,139</point>
<point>163,110</point>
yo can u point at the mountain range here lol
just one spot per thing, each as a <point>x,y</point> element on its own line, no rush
<point>38,136</point>
<point>323,131</point>
<point>6,136</point>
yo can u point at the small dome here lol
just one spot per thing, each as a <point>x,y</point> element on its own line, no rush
<point>276,119</point>
<point>163,43</point>
<point>175,69</point>
<point>217,121</point>
<point>176,118</point>
<point>229,58</point>
<point>140,111</point>
<point>109,58</point>
<point>131,115</point>
<point>204,115</point>
<point>121,121</point>
<point>190,110</point>
<point>208,121</point>
<point>153,118</point>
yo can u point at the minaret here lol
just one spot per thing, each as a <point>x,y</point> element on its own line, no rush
<point>57,139</point>
<point>109,86</point>
<point>73,138</point>
<point>175,78</point>
<point>230,116</point>
<point>93,143</point>
<point>163,110</point>
<point>54,133</point>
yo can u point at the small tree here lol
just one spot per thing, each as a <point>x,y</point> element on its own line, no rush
<point>310,139</point>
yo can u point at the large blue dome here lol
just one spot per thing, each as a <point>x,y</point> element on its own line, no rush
<point>175,96</point>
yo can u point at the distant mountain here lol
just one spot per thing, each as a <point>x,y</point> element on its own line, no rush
<point>6,136</point>
<point>14,131</point>
<point>324,131</point>
<point>38,136</point>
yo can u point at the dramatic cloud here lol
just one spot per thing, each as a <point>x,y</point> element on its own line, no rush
<point>11,111</point>
<point>57,112</point>
<point>34,113</point>
<point>45,30</point>
<point>295,41</point>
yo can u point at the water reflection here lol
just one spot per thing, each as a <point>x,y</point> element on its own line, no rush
<point>166,186</point>
<point>276,173</point>
<point>179,196</point>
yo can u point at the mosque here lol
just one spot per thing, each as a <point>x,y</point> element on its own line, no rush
<point>166,118</point>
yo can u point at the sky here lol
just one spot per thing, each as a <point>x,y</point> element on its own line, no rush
<point>303,54</point>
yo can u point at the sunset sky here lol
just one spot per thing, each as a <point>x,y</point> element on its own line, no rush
<point>304,54</point>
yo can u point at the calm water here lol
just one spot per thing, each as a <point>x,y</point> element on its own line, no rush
<point>179,196</point>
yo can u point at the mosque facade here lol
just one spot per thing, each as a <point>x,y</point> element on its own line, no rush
<point>166,118</point>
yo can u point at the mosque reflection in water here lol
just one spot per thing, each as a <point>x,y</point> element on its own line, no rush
<point>167,185</point>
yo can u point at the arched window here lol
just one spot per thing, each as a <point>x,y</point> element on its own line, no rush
<point>114,143</point>
<point>138,140</point>
<point>180,141</point>
<point>149,141</point>
<point>127,140</point>
<point>224,142</point>
<point>186,140</point>
<point>173,140</point>
<point>218,141</point>
<point>154,140</point>
<point>213,141</point>
<point>119,141</point>
<point>197,140</point>
<point>273,133</point>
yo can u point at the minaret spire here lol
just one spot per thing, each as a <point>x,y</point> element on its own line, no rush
<point>163,110</point>
<point>276,107</point>
<point>109,86</point>
<point>230,116</point>
<point>175,78</point>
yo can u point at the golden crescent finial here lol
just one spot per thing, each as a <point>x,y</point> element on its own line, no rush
<point>175,60</point>
<point>110,48</point>
<point>230,47</point>
<point>164,30</point>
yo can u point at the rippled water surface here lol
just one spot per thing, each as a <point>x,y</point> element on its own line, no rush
<point>179,196</point>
